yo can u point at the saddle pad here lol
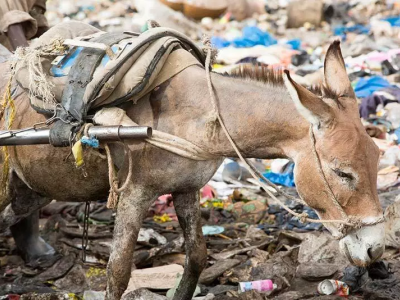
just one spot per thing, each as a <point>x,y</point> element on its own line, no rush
<point>142,62</point>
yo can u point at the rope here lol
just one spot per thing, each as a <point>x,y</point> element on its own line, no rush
<point>303,217</point>
<point>270,183</point>
<point>356,222</point>
<point>112,201</point>
<point>31,59</point>
<point>322,174</point>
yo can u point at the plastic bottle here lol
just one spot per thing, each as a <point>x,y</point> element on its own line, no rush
<point>333,287</point>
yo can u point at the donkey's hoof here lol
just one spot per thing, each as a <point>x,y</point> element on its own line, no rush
<point>38,253</point>
<point>44,261</point>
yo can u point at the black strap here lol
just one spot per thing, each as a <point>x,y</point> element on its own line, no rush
<point>81,74</point>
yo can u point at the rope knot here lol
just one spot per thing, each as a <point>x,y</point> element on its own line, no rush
<point>355,222</point>
<point>113,196</point>
<point>208,49</point>
<point>303,217</point>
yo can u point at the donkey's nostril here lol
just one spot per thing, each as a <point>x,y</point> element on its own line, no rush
<point>375,253</point>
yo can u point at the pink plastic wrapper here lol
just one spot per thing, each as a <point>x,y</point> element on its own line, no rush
<point>259,285</point>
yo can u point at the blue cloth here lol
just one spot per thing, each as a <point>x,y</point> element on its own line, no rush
<point>367,86</point>
<point>251,36</point>
<point>369,104</point>
<point>286,178</point>
<point>394,21</point>
<point>342,30</point>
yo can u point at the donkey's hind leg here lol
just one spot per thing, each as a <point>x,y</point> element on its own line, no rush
<point>187,206</point>
<point>133,206</point>
<point>34,250</point>
<point>22,216</point>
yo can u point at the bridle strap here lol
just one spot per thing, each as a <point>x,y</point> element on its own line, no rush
<point>353,222</point>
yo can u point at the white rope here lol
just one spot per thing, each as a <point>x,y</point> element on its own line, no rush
<point>112,201</point>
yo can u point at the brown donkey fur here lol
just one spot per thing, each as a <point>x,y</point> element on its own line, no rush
<point>266,120</point>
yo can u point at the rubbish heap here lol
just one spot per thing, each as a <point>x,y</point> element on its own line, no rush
<point>256,250</point>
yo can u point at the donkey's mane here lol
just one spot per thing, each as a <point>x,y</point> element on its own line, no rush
<point>266,75</point>
<point>259,73</point>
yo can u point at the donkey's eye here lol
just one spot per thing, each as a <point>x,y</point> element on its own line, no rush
<point>343,175</point>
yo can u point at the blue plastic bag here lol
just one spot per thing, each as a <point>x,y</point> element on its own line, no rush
<point>285,179</point>
<point>394,21</point>
<point>251,36</point>
<point>219,43</point>
<point>367,86</point>
<point>295,43</point>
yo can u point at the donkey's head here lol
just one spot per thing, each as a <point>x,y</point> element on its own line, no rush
<point>345,156</point>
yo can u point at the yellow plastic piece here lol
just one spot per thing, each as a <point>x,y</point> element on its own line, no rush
<point>216,66</point>
<point>77,151</point>
<point>162,219</point>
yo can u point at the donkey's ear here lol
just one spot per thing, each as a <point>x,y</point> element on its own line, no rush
<point>310,106</point>
<point>336,78</point>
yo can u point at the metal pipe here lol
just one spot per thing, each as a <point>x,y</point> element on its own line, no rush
<point>102,133</point>
<point>28,137</point>
<point>117,133</point>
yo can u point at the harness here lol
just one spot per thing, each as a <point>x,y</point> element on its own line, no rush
<point>74,111</point>
<point>141,62</point>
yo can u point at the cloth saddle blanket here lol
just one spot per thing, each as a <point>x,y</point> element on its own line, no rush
<point>84,78</point>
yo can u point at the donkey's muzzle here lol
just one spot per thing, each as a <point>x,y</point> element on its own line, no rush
<point>365,245</point>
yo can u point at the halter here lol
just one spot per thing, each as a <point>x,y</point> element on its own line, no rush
<point>345,224</point>
<point>349,222</point>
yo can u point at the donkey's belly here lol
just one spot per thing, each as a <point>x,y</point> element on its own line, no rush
<point>47,171</point>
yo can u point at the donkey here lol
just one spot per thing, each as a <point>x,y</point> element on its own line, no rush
<point>269,119</point>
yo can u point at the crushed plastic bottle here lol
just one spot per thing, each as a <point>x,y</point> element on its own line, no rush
<point>333,287</point>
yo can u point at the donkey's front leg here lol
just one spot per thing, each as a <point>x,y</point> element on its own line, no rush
<point>187,208</point>
<point>133,205</point>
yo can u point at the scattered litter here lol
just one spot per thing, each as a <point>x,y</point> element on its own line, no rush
<point>259,285</point>
<point>212,230</point>
<point>94,295</point>
<point>163,277</point>
<point>148,236</point>
<point>211,273</point>
<point>333,287</point>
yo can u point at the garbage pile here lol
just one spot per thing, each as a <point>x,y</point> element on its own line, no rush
<point>256,250</point>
